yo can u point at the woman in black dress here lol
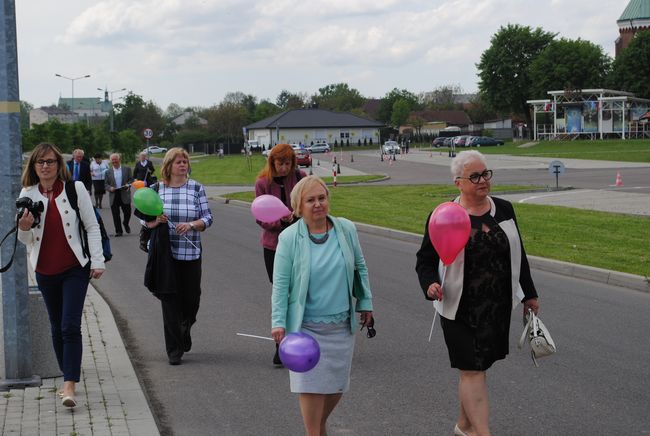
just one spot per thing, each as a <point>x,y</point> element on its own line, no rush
<point>481,287</point>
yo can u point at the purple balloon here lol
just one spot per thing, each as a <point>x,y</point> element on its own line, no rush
<point>299,352</point>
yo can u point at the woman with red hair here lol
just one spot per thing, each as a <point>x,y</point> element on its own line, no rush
<point>277,178</point>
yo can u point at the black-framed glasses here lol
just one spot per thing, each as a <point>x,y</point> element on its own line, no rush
<point>48,162</point>
<point>475,178</point>
<point>370,331</point>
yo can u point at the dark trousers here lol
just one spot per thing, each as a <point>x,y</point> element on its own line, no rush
<point>64,296</point>
<point>269,259</point>
<point>115,211</point>
<point>179,310</point>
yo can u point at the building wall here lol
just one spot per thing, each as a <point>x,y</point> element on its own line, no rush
<point>309,135</point>
<point>626,36</point>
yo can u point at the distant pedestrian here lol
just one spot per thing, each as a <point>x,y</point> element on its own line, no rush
<point>143,169</point>
<point>314,292</point>
<point>79,167</point>
<point>186,214</point>
<point>118,184</point>
<point>480,289</point>
<point>63,266</point>
<point>277,178</point>
<point>98,168</point>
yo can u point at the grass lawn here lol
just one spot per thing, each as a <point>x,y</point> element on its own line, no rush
<point>630,150</point>
<point>234,170</point>
<point>605,240</point>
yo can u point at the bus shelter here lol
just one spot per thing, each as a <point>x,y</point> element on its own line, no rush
<point>590,113</point>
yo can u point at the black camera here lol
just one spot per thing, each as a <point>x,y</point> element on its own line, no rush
<point>35,208</point>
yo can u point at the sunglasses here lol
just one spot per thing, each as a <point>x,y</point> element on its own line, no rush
<point>370,331</point>
<point>475,178</point>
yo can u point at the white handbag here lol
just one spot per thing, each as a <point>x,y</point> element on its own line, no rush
<point>541,343</point>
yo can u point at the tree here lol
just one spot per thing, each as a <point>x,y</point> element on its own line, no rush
<point>226,121</point>
<point>127,143</point>
<point>173,110</point>
<point>416,122</point>
<point>385,111</point>
<point>287,100</point>
<point>568,64</point>
<point>442,97</point>
<point>629,72</point>
<point>338,97</point>
<point>504,79</point>
<point>265,109</point>
<point>478,111</point>
<point>400,112</point>
<point>25,108</point>
<point>136,114</point>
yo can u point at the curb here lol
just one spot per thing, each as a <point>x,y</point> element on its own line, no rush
<point>614,278</point>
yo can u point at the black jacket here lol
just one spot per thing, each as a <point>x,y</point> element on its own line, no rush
<point>159,274</point>
<point>145,172</point>
<point>84,173</point>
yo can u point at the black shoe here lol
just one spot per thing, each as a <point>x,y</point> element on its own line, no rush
<point>127,228</point>
<point>187,339</point>
<point>177,360</point>
<point>118,235</point>
<point>276,358</point>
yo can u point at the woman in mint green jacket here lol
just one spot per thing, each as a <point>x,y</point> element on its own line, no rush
<point>314,291</point>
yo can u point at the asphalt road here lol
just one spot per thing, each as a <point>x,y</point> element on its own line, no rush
<point>424,168</point>
<point>597,383</point>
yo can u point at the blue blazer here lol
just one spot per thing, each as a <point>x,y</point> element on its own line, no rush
<point>291,274</point>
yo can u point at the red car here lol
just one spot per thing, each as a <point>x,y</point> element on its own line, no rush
<point>303,158</point>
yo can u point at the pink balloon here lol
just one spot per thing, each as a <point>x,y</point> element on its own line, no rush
<point>268,208</point>
<point>449,229</point>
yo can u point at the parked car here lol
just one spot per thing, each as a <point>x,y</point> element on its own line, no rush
<point>297,146</point>
<point>153,149</point>
<point>460,141</point>
<point>390,147</point>
<point>303,157</point>
<point>321,147</point>
<point>439,141</point>
<point>449,141</point>
<point>486,141</point>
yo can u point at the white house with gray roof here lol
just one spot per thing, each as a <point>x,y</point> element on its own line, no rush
<point>308,126</point>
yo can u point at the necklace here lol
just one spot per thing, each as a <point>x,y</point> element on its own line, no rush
<point>322,240</point>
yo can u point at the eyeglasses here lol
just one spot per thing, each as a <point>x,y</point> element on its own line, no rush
<point>43,162</point>
<point>475,178</point>
<point>370,332</point>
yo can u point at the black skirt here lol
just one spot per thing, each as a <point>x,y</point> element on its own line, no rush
<point>479,335</point>
<point>99,186</point>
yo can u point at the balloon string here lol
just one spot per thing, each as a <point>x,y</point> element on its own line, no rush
<point>186,238</point>
<point>435,312</point>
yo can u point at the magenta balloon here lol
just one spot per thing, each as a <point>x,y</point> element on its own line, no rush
<point>299,352</point>
<point>268,208</point>
<point>449,229</point>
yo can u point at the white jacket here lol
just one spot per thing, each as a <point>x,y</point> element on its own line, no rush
<point>32,238</point>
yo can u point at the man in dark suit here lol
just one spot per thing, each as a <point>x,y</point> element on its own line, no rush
<point>118,184</point>
<point>80,169</point>
<point>144,169</point>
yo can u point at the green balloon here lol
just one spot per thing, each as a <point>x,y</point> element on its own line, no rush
<point>148,201</point>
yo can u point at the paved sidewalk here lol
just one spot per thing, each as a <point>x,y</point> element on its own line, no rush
<point>110,400</point>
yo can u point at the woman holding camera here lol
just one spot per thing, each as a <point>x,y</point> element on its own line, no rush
<point>63,267</point>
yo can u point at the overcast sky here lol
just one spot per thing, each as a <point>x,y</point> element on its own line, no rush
<point>192,52</point>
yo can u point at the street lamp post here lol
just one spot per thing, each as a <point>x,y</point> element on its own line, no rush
<point>72,81</point>
<point>106,92</point>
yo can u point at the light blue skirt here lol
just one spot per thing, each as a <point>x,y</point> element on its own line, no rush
<point>331,375</point>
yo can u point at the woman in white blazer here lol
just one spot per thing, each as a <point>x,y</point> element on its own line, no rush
<point>63,265</point>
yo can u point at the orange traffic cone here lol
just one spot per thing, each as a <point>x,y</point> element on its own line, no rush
<point>619,179</point>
